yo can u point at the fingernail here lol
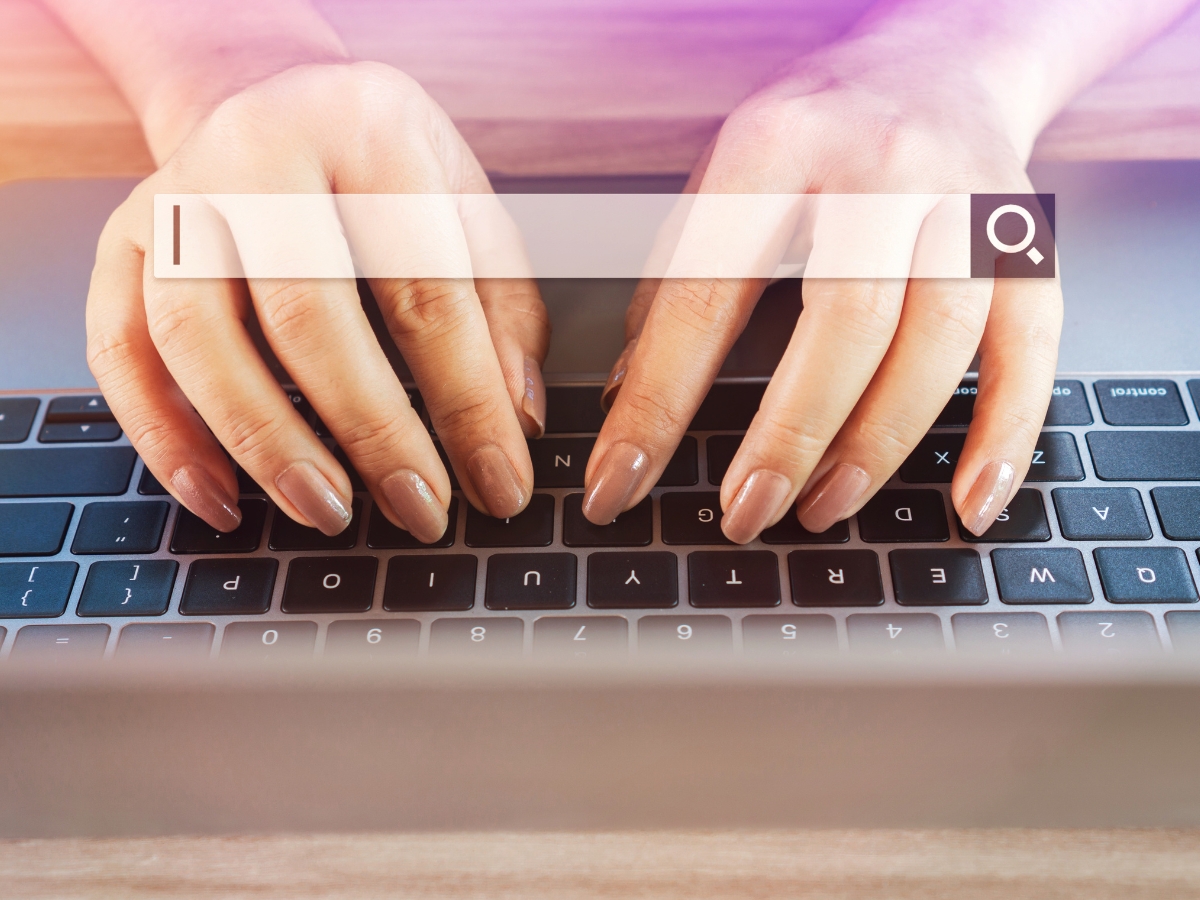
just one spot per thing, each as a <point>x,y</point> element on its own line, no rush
<point>415,505</point>
<point>533,403</point>
<point>312,494</point>
<point>617,478</point>
<point>988,495</point>
<point>756,506</point>
<point>496,481</point>
<point>833,498</point>
<point>617,376</point>
<point>201,493</point>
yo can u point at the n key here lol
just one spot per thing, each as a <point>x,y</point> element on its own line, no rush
<point>559,462</point>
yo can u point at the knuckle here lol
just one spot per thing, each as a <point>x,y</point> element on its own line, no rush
<point>252,436</point>
<point>708,308</point>
<point>112,355</point>
<point>652,412</point>
<point>290,308</point>
<point>371,441</point>
<point>174,326</point>
<point>471,412</point>
<point>427,306</point>
<point>949,315</point>
<point>789,438</point>
<point>867,310</point>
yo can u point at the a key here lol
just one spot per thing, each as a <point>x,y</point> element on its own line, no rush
<point>530,581</point>
<point>437,583</point>
<point>76,433</point>
<point>681,470</point>
<point>559,462</point>
<point>149,486</point>
<point>532,527</point>
<point>632,528</point>
<point>1101,514</point>
<point>373,639</point>
<point>16,418</point>
<point>903,633</point>
<point>686,636</point>
<point>933,459</point>
<point>960,408</point>
<point>229,587</point>
<point>90,408</point>
<point>692,517</point>
<point>1108,632</point>
<point>383,535</point>
<point>1055,458</point>
<point>115,527</point>
<point>1145,455</point>
<point>573,409</point>
<point>632,580</point>
<point>733,578</point>
<point>1044,575</point>
<point>581,637</point>
<point>835,578</point>
<point>288,534</point>
<point>330,584</point>
<point>35,590</point>
<point>1141,402</point>
<point>66,471</point>
<point>269,640</point>
<point>1178,512</point>
<point>1068,405</point>
<point>477,638</point>
<point>1184,628</point>
<point>1008,634</point>
<point>165,641</point>
<point>789,637</point>
<point>729,407</point>
<point>1024,519</point>
<point>898,516</point>
<point>33,529</point>
<point>1145,575</point>
<point>950,577</point>
<point>721,448</point>
<point>135,588</point>
<point>43,643</point>
<point>788,530</point>
<point>194,535</point>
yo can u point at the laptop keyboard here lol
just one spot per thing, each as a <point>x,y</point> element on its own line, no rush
<point>1098,551</point>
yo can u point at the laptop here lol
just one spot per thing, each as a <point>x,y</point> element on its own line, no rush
<point>158,678</point>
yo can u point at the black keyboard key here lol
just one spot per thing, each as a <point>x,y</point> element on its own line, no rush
<point>692,517</point>
<point>733,578</point>
<point>356,482</point>
<point>788,530</point>
<point>149,486</point>
<point>66,471</point>
<point>1044,575</point>
<point>330,584</point>
<point>530,581</point>
<point>1145,575</point>
<point>938,578</point>
<point>1184,627</point>
<point>301,405</point>
<point>128,588</point>
<point>1024,519</point>
<point>721,448</point>
<point>901,634</point>
<point>960,408</point>
<point>1055,458</point>
<point>1068,405</point>
<point>383,535</point>
<point>46,643</point>
<point>194,535</point>
<point>933,459</point>
<point>632,528</point>
<point>288,534</point>
<point>165,641</point>
<point>1194,389</point>
<point>789,637</point>
<point>682,470</point>
<point>1145,455</point>
<point>1005,634</point>
<point>33,529</point>
<point>91,408</point>
<point>901,516</point>
<point>373,639</point>
<point>269,640</point>
<point>729,407</point>
<point>430,583</point>
<point>1178,511</point>
<point>581,637</point>
<point>632,580</point>
<point>559,462</point>
<point>477,638</point>
<point>573,409</point>
<point>72,433</point>
<point>1101,514</point>
<point>532,527</point>
<point>246,484</point>
<point>1142,402</point>
<point>16,418</point>
<point>1108,632</point>
<point>229,587</point>
<point>134,527</point>
<point>35,590</point>
<point>685,636</point>
<point>835,578</point>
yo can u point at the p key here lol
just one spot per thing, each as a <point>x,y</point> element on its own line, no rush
<point>228,587</point>
<point>736,578</point>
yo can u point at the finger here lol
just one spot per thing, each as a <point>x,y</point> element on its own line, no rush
<point>170,437</point>
<point>939,330</point>
<point>1018,358</point>
<point>520,330</point>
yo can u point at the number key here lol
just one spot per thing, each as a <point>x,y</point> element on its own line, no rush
<point>685,635</point>
<point>375,639</point>
<point>484,638</point>
<point>581,637</point>
<point>1108,632</point>
<point>269,640</point>
<point>903,633</point>
<point>789,636</point>
<point>1004,634</point>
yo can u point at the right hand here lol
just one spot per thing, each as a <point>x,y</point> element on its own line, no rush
<point>174,357</point>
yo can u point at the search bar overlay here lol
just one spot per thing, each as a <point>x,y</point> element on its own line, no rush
<point>688,236</point>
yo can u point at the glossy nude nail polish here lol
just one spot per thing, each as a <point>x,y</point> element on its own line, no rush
<point>617,479</point>
<point>496,481</point>
<point>756,505</point>
<point>533,402</point>
<point>617,377</point>
<point>415,505</point>
<point>316,499</point>
<point>833,498</point>
<point>987,497</point>
<point>201,493</point>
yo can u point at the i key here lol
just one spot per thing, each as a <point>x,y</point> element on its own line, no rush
<point>430,583</point>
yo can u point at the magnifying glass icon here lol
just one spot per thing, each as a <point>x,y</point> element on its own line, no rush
<point>1030,230</point>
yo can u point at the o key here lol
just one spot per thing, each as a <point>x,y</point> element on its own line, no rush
<point>330,584</point>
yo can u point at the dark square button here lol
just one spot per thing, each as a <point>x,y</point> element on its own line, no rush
<point>632,528</point>
<point>228,587</point>
<point>438,583</point>
<point>332,584</point>
<point>383,535</point>
<point>733,578</point>
<point>948,577</point>
<point>1141,402</point>
<point>288,534</point>
<point>1024,519</point>
<point>1041,575</point>
<point>194,535</point>
<point>116,527</point>
<point>1145,575</point>
<point>898,516</point>
<point>835,578</point>
<point>632,580</point>
<point>530,581</point>
<point>532,527</point>
<point>128,588</point>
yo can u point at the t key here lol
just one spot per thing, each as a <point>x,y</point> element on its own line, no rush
<point>733,578</point>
